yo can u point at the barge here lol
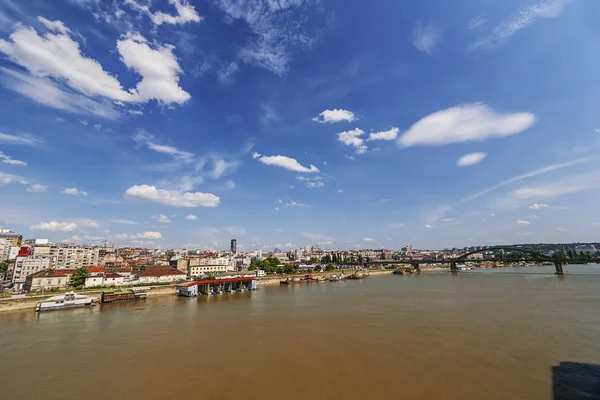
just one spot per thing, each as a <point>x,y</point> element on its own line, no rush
<point>66,300</point>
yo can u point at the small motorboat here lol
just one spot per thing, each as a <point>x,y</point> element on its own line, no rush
<point>66,300</point>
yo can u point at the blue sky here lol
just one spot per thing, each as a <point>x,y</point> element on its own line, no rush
<point>350,124</point>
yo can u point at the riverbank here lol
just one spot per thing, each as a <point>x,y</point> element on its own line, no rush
<point>22,302</point>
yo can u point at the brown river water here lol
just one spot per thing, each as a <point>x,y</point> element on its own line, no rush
<point>495,334</point>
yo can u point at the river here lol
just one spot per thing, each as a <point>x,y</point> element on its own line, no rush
<point>492,334</point>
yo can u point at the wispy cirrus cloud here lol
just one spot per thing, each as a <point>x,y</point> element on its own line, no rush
<point>280,28</point>
<point>526,16</point>
<point>425,37</point>
<point>534,173</point>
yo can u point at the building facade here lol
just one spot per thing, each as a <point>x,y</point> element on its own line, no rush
<point>69,256</point>
<point>47,279</point>
<point>25,266</point>
<point>8,239</point>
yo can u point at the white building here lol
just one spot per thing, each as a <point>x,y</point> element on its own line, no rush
<point>25,266</point>
<point>69,256</point>
<point>109,279</point>
<point>14,252</point>
<point>45,280</point>
<point>209,265</point>
<point>160,276</point>
<point>8,239</point>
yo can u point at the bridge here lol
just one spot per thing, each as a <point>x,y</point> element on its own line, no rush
<point>537,257</point>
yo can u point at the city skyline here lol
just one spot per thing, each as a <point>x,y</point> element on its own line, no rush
<point>184,124</point>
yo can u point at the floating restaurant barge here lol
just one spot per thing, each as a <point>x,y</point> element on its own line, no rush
<point>117,296</point>
<point>216,286</point>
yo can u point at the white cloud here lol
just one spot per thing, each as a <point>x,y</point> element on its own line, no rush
<point>158,67</point>
<point>6,178</point>
<point>428,226</point>
<point>470,159</point>
<point>525,17</point>
<point>54,226</point>
<point>522,222</point>
<point>318,236</point>
<point>335,115</point>
<point>37,188</point>
<point>425,37</point>
<point>340,191</point>
<point>191,217</point>
<point>56,26</point>
<point>163,219</point>
<point>465,123</point>
<point>23,139</point>
<point>551,190</point>
<point>145,138</point>
<point>185,12</point>
<point>124,222</point>
<point>83,122</point>
<point>561,229</point>
<point>225,73</point>
<point>123,236</point>
<point>527,175</point>
<point>6,159</point>
<point>285,162</point>
<point>315,184</point>
<point>385,135</point>
<point>538,206</point>
<point>58,56</point>
<point>236,230</point>
<point>293,203</point>
<point>97,127</point>
<point>349,157</point>
<point>368,239</point>
<point>46,92</point>
<point>74,192</point>
<point>149,235</point>
<point>172,197</point>
<point>352,138</point>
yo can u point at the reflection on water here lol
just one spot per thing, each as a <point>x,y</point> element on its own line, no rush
<point>484,335</point>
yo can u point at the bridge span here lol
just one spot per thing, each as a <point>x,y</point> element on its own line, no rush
<point>453,262</point>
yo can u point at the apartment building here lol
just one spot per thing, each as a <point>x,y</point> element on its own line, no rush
<point>209,265</point>
<point>29,265</point>
<point>69,256</point>
<point>8,240</point>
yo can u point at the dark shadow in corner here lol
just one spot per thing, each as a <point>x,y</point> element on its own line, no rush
<point>575,381</point>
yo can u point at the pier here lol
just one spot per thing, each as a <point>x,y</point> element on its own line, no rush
<point>216,286</point>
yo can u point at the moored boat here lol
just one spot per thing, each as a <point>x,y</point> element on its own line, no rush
<point>66,300</point>
<point>115,296</point>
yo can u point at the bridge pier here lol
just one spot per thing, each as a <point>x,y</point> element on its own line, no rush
<point>559,268</point>
<point>453,267</point>
<point>417,268</point>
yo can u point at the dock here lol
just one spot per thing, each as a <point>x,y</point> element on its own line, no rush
<point>216,286</point>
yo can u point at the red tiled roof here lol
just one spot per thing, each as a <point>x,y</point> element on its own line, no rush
<point>112,275</point>
<point>48,273</point>
<point>96,269</point>
<point>160,272</point>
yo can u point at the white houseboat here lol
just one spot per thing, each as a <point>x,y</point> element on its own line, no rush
<point>67,300</point>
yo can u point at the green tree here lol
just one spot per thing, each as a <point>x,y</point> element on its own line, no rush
<point>79,276</point>
<point>279,270</point>
<point>289,269</point>
<point>329,267</point>
<point>326,259</point>
<point>170,254</point>
<point>318,268</point>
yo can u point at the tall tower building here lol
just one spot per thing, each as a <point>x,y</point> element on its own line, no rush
<point>233,246</point>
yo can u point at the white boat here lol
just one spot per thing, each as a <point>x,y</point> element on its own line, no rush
<point>67,300</point>
<point>461,267</point>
